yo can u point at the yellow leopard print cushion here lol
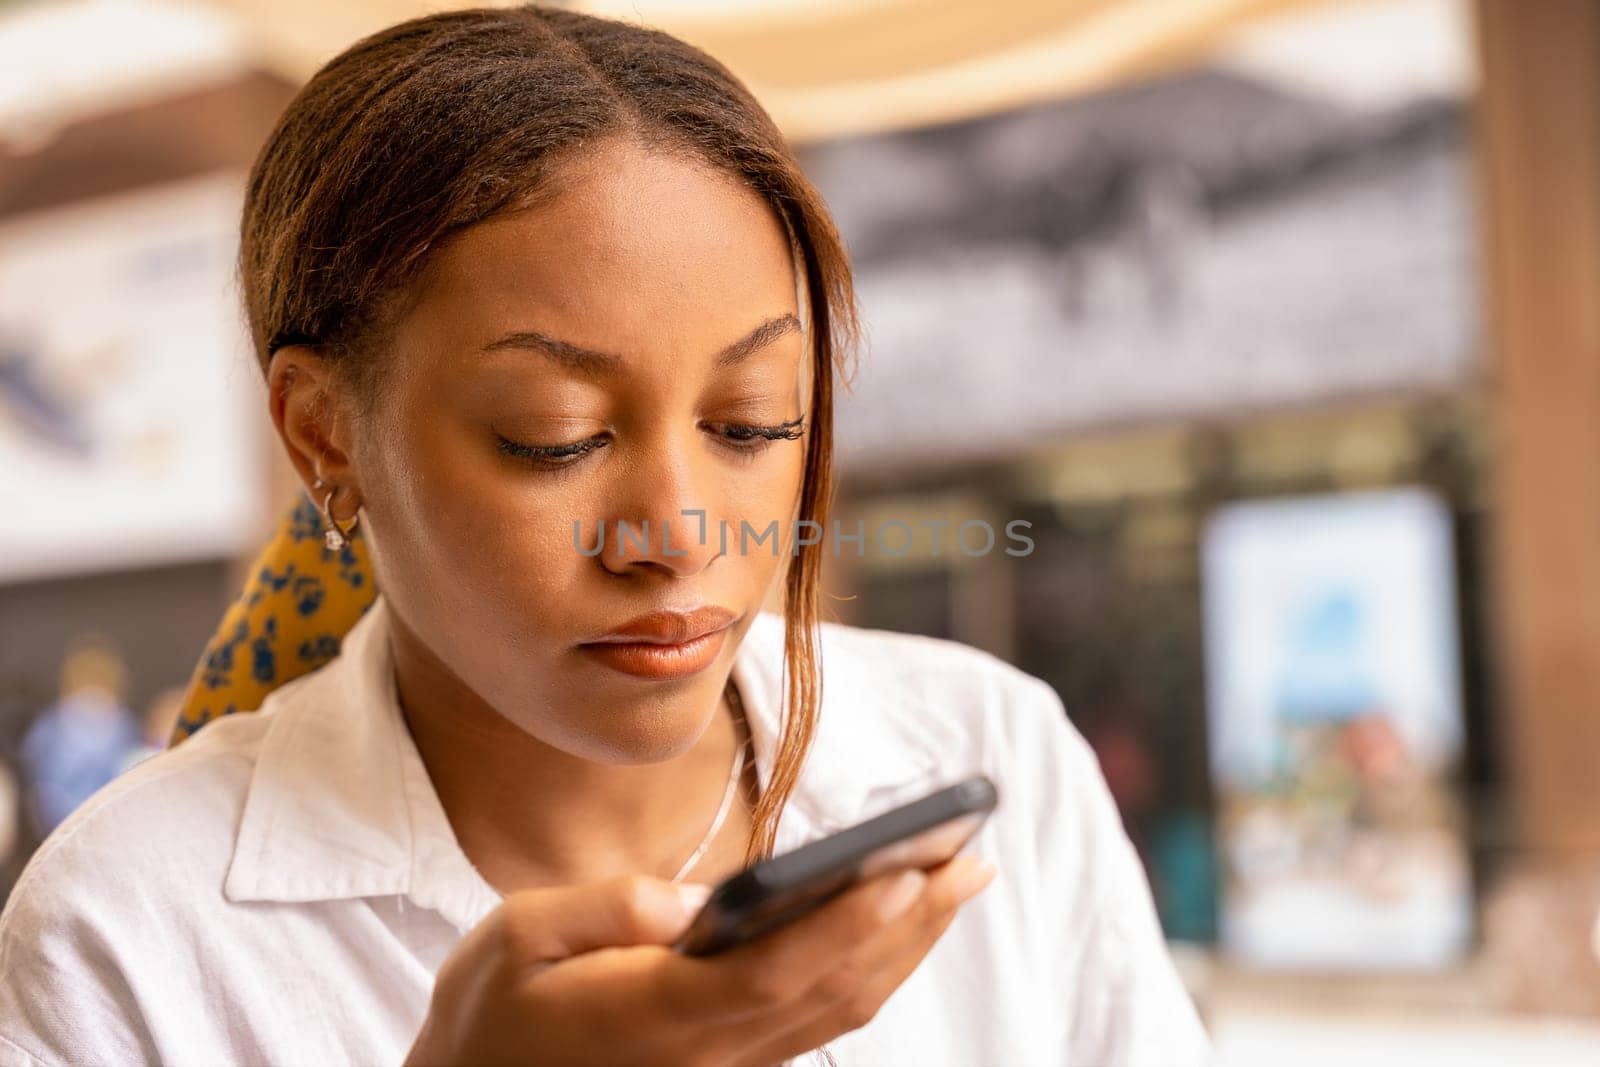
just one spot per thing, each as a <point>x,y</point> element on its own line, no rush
<point>300,600</point>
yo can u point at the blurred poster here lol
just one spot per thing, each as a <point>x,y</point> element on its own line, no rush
<point>1336,727</point>
<point>130,429</point>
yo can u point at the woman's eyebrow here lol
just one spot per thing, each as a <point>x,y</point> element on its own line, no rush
<point>758,339</point>
<point>595,364</point>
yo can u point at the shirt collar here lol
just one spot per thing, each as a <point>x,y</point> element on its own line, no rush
<point>340,804</point>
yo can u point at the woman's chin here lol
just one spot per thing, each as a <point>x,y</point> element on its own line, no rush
<point>617,733</point>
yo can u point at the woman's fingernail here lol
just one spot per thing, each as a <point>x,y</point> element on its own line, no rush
<point>973,876</point>
<point>693,895</point>
<point>901,894</point>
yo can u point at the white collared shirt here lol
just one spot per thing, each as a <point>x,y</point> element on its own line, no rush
<point>282,887</point>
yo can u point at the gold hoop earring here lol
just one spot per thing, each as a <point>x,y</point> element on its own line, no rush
<point>336,536</point>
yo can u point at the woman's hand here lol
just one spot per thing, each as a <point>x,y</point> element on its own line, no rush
<point>585,975</point>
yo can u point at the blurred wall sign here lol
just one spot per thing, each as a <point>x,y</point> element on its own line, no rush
<point>1212,243</point>
<point>1336,727</point>
<point>129,403</point>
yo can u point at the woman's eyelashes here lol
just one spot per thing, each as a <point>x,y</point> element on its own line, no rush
<point>548,455</point>
<point>741,439</point>
<point>792,430</point>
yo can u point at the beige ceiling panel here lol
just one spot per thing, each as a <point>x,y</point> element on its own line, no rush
<point>827,68</point>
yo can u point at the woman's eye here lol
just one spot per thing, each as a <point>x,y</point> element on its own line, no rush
<point>548,455</point>
<point>746,438</point>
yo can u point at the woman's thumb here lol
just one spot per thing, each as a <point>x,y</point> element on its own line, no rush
<point>552,924</point>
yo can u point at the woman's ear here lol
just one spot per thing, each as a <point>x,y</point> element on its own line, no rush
<point>310,409</point>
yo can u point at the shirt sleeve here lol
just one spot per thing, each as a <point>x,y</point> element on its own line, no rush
<point>1125,1005</point>
<point>64,997</point>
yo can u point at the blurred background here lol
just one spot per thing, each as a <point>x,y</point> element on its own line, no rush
<point>1278,320</point>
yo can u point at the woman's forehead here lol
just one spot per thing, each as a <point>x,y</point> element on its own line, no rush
<point>649,249</point>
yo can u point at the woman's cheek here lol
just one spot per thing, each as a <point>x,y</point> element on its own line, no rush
<point>760,527</point>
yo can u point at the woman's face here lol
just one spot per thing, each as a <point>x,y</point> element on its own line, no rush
<point>640,322</point>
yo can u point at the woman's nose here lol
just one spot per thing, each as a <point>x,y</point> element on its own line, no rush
<point>674,525</point>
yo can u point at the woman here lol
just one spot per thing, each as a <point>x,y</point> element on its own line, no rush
<point>515,277</point>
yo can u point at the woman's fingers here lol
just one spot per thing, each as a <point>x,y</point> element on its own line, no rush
<point>777,969</point>
<point>558,922</point>
<point>850,996</point>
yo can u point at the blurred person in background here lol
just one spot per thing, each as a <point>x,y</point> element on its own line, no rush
<point>511,272</point>
<point>84,739</point>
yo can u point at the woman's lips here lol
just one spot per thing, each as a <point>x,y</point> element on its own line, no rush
<point>648,660</point>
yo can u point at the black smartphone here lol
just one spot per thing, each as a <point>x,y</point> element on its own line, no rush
<point>774,891</point>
